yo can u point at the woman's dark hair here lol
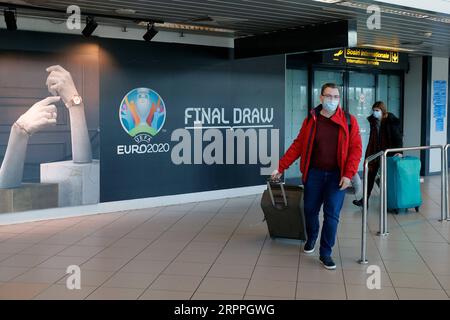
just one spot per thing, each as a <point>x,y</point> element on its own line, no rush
<point>380,105</point>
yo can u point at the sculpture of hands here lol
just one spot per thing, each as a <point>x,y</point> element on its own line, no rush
<point>41,115</point>
<point>60,82</point>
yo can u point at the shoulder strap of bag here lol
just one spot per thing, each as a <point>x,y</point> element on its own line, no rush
<point>349,121</point>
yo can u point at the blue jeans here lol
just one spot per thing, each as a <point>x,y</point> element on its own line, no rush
<point>322,187</point>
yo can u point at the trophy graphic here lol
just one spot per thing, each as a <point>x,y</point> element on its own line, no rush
<point>142,114</point>
<point>143,106</point>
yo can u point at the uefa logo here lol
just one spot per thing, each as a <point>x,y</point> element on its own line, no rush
<point>142,114</point>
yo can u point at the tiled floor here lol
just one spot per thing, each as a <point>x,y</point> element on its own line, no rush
<point>221,250</point>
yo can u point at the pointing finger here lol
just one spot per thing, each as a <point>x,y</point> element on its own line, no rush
<point>50,100</point>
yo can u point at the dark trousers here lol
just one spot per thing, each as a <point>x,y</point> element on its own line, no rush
<point>322,187</point>
<point>371,179</point>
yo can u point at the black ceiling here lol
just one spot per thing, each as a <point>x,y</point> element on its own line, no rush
<point>426,33</point>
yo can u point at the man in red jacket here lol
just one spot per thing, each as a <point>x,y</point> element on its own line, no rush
<point>330,148</point>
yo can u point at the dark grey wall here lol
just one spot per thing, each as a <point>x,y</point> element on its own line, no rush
<point>104,70</point>
<point>184,76</point>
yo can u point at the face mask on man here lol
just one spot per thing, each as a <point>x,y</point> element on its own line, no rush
<point>377,114</point>
<point>330,105</point>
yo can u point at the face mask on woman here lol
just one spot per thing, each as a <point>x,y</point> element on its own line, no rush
<point>377,114</point>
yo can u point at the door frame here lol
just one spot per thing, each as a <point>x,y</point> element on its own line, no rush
<point>346,72</point>
<point>312,67</point>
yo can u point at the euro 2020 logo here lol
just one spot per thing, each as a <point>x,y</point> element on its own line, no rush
<point>142,114</point>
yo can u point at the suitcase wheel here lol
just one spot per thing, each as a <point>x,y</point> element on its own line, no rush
<point>417,209</point>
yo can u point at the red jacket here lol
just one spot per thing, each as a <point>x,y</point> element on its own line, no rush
<point>349,145</point>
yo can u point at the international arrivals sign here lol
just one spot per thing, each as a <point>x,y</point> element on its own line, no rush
<point>364,57</point>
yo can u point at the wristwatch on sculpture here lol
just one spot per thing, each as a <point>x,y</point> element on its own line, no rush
<point>75,101</point>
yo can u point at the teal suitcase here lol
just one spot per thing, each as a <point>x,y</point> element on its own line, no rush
<point>403,184</point>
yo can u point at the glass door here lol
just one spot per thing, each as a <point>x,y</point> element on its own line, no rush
<point>389,91</point>
<point>322,77</point>
<point>361,97</point>
<point>358,98</point>
<point>296,111</point>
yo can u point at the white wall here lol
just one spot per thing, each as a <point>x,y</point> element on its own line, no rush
<point>412,115</point>
<point>439,71</point>
<point>43,25</point>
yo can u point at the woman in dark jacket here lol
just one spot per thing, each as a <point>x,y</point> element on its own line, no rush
<point>385,133</point>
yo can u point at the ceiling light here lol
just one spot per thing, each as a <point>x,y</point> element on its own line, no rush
<point>439,6</point>
<point>439,19</point>
<point>10,19</point>
<point>364,6</point>
<point>125,11</point>
<point>91,25</point>
<point>405,13</point>
<point>390,10</point>
<point>187,27</point>
<point>151,32</point>
<point>387,48</point>
<point>328,1</point>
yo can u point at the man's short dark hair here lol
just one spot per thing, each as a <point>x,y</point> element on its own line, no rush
<point>328,85</point>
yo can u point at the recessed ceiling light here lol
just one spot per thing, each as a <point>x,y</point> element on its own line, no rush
<point>328,1</point>
<point>125,11</point>
<point>438,6</point>
<point>187,27</point>
<point>439,19</point>
<point>387,48</point>
<point>383,9</point>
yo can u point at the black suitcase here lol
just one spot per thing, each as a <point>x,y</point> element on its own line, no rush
<point>283,210</point>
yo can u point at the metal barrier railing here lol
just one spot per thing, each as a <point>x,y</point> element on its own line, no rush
<point>363,259</point>
<point>383,191</point>
<point>447,215</point>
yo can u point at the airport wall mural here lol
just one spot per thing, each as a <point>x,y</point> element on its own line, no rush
<point>94,120</point>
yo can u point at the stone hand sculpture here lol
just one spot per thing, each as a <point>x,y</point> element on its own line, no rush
<point>60,82</point>
<point>40,116</point>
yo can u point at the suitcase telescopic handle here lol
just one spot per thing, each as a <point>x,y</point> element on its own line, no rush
<point>269,187</point>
